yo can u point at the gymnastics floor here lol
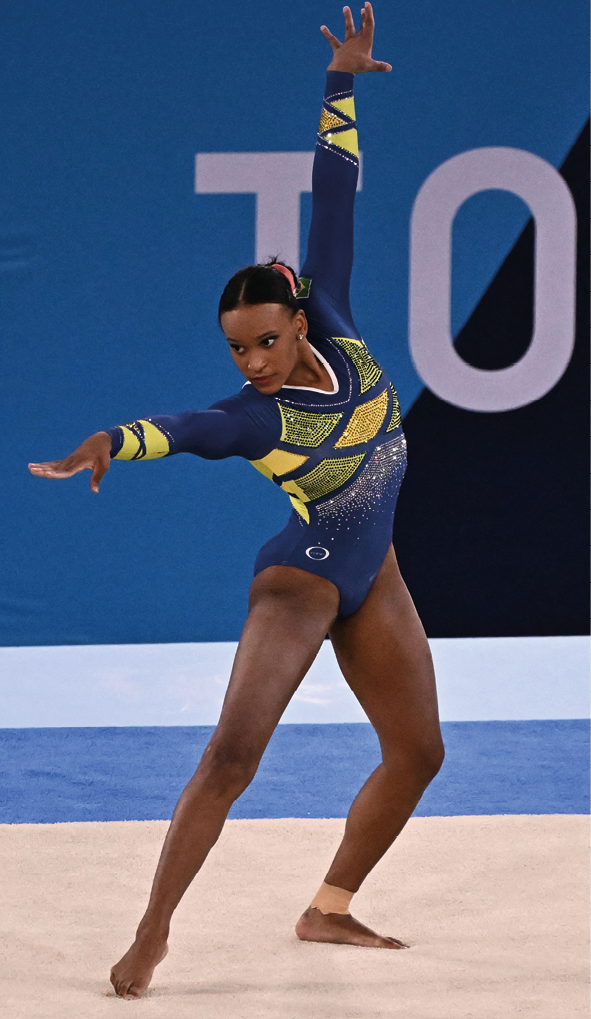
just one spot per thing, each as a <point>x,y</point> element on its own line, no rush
<point>488,886</point>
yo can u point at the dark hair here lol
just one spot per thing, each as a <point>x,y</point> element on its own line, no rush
<point>259,284</point>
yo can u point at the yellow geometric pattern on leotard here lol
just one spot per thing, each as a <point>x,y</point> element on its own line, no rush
<point>297,498</point>
<point>278,462</point>
<point>365,421</point>
<point>339,132</point>
<point>299,506</point>
<point>346,106</point>
<point>131,444</point>
<point>142,440</point>
<point>328,475</point>
<point>301,428</point>
<point>368,370</point>
<point>292,488</point>
<point>396,417</point>
<point>329,120</point>
<point>343,140</point>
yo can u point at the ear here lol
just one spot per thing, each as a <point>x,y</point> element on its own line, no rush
<point>300,323</point>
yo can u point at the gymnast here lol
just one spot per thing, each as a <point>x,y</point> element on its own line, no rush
<point>319,418</point>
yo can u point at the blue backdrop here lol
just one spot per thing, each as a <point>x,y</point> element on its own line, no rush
<point>111,265</point>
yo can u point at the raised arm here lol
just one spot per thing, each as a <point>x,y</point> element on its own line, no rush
<point>329,258</point>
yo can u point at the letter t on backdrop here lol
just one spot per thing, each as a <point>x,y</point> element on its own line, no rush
<point>277,179</point>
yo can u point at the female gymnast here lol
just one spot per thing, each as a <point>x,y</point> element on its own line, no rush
<point>318,417</point>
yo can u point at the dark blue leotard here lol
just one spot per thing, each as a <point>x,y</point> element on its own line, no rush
<point>340,456</point>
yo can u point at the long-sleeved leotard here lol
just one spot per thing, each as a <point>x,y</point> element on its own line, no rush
<point>340,456</point>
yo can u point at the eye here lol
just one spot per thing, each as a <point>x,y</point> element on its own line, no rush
<point>237,348</point>
<point>269,341</point>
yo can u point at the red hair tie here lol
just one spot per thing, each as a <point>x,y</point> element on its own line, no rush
<point>288,275</point>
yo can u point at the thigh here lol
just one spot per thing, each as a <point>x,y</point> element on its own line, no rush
<point>384,655</point>
<point>290,612</point>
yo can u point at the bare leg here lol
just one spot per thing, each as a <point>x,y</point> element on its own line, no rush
<point>290,612</point>
<point>384,655</point>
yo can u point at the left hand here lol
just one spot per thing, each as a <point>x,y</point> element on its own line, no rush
<point>354,54</point>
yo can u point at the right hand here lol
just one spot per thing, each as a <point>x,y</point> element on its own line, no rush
<point>93,454</point>
<point>354,54</point>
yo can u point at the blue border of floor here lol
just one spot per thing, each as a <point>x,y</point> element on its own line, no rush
<point>117,774</point>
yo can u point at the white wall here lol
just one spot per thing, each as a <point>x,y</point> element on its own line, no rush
<point>183,684</point>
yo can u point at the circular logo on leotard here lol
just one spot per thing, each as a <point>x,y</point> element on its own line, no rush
<point>317,552</point>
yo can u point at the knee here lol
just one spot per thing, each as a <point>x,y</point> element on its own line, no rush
<point>422,756</point>
<point>431,754</point>
<point>227,768</point>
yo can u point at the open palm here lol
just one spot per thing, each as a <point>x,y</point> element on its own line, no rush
<point>354,54</point>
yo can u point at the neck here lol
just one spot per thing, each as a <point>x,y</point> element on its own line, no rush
<point>308,370</point>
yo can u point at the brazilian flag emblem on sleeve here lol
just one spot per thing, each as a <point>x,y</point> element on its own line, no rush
<point>303,287</point>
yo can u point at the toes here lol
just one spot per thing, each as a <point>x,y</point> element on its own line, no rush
<point>121,987</point>
<point>132,993</point>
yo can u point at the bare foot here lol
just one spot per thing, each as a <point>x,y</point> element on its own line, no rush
<point>132,974</point>
<point>340,929</point>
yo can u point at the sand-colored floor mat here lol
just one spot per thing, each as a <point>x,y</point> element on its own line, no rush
<point>495,909</point>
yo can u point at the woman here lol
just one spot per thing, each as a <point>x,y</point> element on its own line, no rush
<point>318,417</point>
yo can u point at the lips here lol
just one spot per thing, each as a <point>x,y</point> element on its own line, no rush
<point>262,379</point>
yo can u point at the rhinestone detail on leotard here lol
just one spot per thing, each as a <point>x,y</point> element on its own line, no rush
<point>302,428</point>
<point>329,120</point>
<point>328,475</point>
<point>362,497</point>
<point>365,422</point>
<point>396,417</point>
<point>368,370</point>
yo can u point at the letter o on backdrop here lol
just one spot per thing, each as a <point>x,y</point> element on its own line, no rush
<point>542,188</point>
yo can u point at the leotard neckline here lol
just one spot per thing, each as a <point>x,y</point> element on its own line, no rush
<point>314,389</point>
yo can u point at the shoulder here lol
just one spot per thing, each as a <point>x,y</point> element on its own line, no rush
<point>250,403</point>
<point>255,418</point>
<point>364,366</point>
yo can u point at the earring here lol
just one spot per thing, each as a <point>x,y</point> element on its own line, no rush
<point>301,336</point>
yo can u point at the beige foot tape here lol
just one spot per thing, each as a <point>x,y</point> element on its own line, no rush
<point>329,899</point>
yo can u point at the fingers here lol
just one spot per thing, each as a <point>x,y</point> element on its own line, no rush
<point>381,65</point>
<point>54,469</point>
<point>334,42</point>
<point>367,24</point>
<point>349,23</point>
<point>97,476</point>
<point>58,469</point>
<point>49,464</point>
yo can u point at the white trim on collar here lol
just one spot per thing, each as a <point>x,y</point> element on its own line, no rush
<point>333,378</point>
<point>312,389</point>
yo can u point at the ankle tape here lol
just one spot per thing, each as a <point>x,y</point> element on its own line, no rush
<point>329,899</point>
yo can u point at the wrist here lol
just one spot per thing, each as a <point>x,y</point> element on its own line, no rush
<point>102,438</point>
<point>340,66</point>
<point>98,444</point>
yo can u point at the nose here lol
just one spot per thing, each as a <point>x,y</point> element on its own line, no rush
<point>256,364</point>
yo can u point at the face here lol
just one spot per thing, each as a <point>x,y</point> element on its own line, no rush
<point>264,342</point>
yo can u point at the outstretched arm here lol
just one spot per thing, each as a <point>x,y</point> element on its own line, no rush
<point>228,428</point>
<point>329,259</point>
